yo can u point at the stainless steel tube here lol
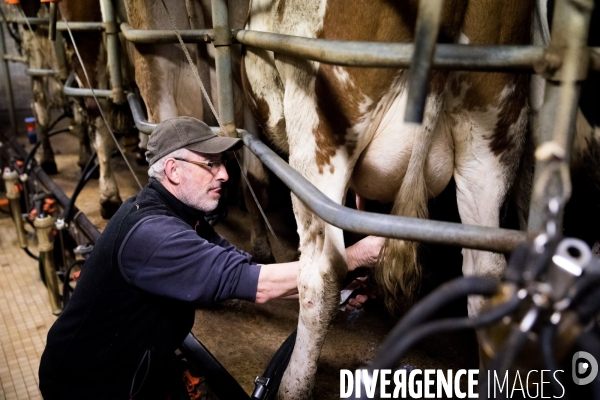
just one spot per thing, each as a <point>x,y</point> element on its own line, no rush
<point>61,56</point>
<point>222,43</point>
<point>83,92</point>
<point>568,48</point>
<point>112,49</point>
<point>165,36</point>
<point>52,21</point>
<point>447,233</point>
<point>138,114</point>
<point>40,72</point>
<point>393,55</point>
<point>5,72</point>
<point>428,27</point>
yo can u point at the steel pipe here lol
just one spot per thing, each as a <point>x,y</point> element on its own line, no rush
<point>83,92</point>
<point>40,72</point>
<point>138,114</point>
<point>112,50</point>
<point>60,25</point>
<point>422,230</point>
<point>399,55</point>
<point>552,186</point>
<point>165,36</point>
<point>222,43</point>
<point>428,27</point>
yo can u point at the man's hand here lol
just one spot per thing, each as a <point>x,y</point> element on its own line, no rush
<point>364,253</point>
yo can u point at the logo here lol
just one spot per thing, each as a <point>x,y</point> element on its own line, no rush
<point>585,368</point>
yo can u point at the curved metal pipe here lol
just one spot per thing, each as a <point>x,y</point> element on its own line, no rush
<point>68,90</point>
<point>422,230</point>
<point>138,114</point>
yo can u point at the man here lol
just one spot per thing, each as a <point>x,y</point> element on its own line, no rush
<point>156,261</point>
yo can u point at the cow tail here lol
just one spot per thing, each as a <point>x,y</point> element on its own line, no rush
<point>399,271</point>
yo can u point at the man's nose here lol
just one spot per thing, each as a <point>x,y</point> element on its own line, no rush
<point>222,174</point>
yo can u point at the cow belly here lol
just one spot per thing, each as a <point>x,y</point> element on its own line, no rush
<point>382,165</point>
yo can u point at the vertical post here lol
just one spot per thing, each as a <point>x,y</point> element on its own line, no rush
<point>5,72</point>
<point>61,57</point>
<point>565,65</point>
<point>427,30</point>
<point>222,43</point>
<point>111,30</point>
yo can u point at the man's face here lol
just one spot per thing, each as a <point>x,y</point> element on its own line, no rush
<point>201,185</point>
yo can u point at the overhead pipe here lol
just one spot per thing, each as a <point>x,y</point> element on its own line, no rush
<point>112,49</point>
<point>60,26</point>
<point>427,30</point>
<point>83,92</point>
<point>165,36</point>
<point>41,72</point>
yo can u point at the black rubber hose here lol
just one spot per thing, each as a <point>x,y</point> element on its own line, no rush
<point>506,356</point>
<point>582,288</point>
<point>89,169</point>
<point>387,358</point>
<point>442,296</point>
<point>60,117</point>
<point>278,364</point>
<point>389,355</point>
<point>30,254</point>
<point>589,306</point>
<point>37,146</point>
<point>547,334</point>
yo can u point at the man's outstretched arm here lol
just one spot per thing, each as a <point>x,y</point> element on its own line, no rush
<point>281,280</point>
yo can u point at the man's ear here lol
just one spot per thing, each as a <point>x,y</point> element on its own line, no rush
<point>173,171</point>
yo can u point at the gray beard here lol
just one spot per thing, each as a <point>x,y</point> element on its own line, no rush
<point>195,199</point>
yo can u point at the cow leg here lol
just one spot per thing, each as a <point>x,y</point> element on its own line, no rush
<point>41,110</point>
<point>80,126</point>
<point>110,201</point>
<point>259,180</point>
<point>488,146</point>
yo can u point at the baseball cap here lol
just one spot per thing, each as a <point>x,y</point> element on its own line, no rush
<point>186,133</point>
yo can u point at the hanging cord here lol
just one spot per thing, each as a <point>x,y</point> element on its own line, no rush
<point>98,104</point>
<point>212,108</point>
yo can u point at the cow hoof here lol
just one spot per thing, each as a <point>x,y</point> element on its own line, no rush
<point>109,207</point>
<point>49,167</point>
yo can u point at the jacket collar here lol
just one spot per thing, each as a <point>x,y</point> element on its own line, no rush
<point>189,214</point>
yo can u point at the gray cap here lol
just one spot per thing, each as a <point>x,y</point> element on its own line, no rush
<point>186,133</point>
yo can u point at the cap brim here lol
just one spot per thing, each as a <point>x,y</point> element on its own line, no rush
<point>216,145</point>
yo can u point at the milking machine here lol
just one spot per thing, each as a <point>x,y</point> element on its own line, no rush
<point>542,312</point>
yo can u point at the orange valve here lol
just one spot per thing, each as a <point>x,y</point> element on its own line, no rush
<point>12,1</point>
<point>50,1</point>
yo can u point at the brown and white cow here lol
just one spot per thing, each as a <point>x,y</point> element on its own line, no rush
<point>169,88</point>
<point>344,127</point>
<point>87,113</point>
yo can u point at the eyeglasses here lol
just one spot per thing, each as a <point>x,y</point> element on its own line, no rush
<point>213,165</point>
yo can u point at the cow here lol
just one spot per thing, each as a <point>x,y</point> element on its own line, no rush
<point>169,89</point>
<point>40,53</point>
<point>88,114</point>
<point>343,128</point>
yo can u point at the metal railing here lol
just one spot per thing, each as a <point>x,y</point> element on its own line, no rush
<point>562,94</point>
